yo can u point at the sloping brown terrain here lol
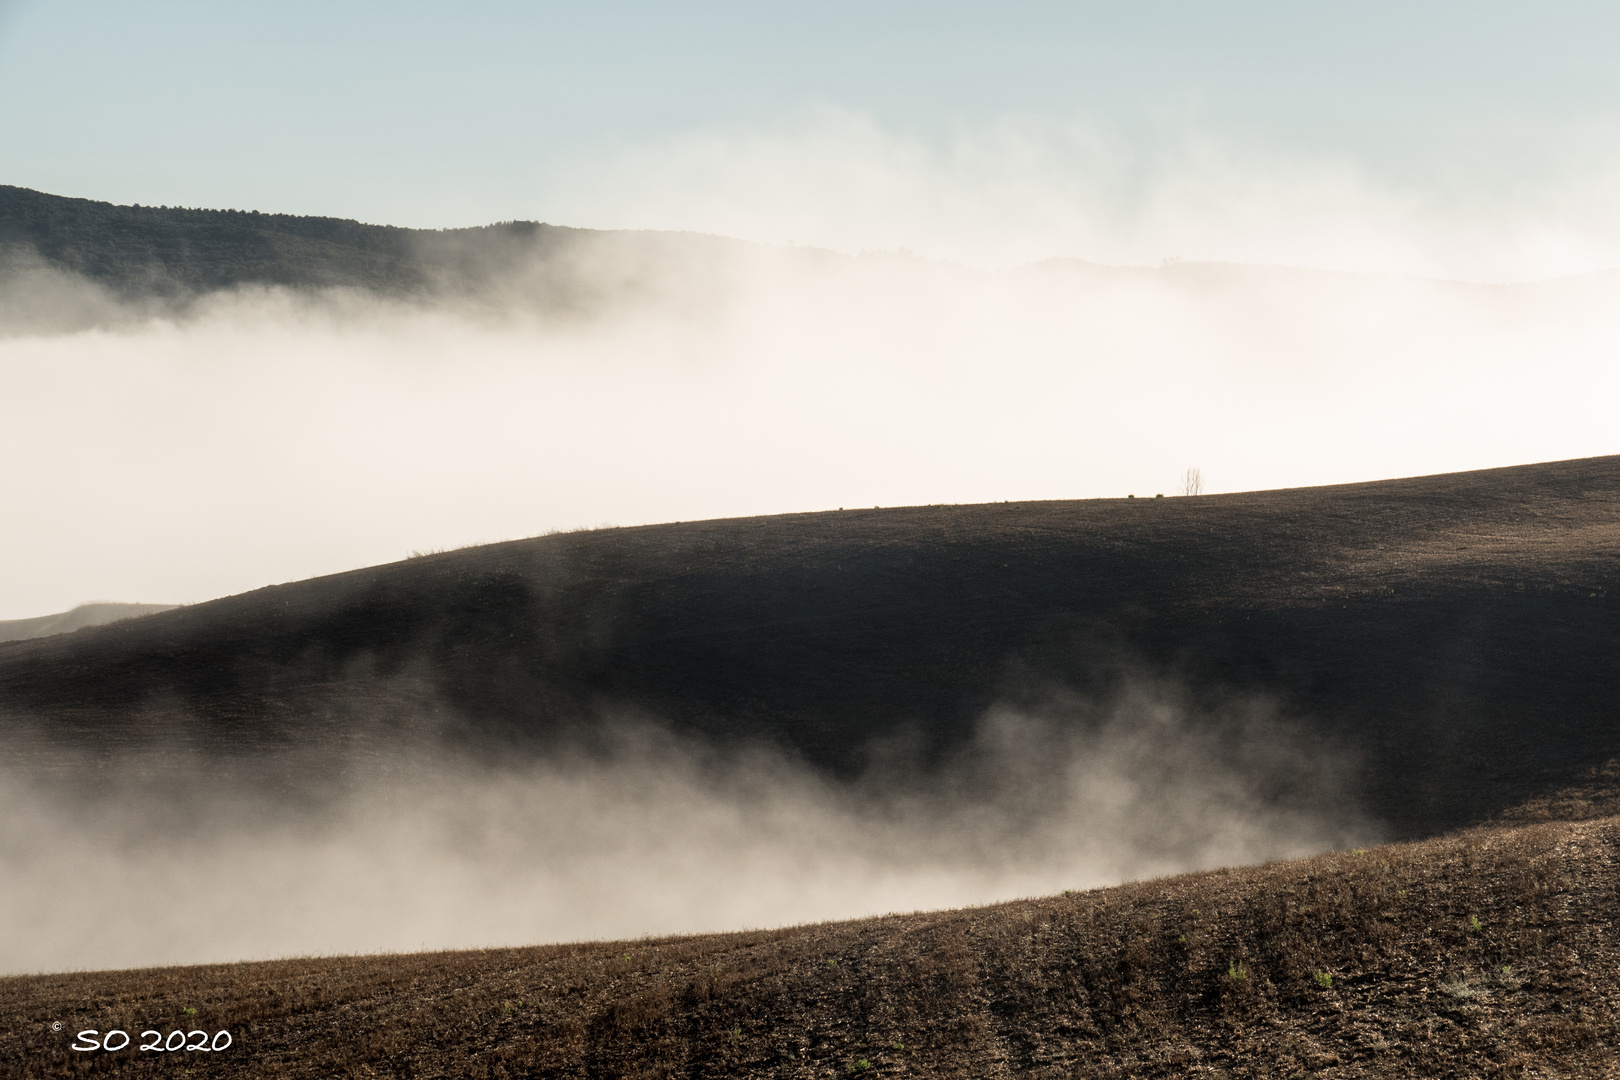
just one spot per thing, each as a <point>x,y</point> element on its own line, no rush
<point>1490,953</point>
<point>1453,636</point>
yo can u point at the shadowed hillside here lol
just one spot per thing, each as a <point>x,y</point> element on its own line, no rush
<point>173,254</point>
<point>1452,636</point>
<point>1486,954</point>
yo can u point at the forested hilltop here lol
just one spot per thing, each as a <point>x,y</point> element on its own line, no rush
<point>174,252</point>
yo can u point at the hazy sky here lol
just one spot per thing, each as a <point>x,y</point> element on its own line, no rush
<point>933,126</point>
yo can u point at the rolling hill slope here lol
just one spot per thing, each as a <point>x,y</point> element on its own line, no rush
<point>1453,636</point>
<point>1485,954</point>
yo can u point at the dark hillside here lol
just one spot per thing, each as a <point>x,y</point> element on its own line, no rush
<point>146,250</point>
<point>1490,954</point>
<point>1457,633</point>
<point>174,253</point>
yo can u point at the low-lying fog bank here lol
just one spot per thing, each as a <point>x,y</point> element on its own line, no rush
<point>114,860</point>
<point>263,435</point>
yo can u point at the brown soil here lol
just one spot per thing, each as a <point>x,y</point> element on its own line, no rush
<point>1490,953</point>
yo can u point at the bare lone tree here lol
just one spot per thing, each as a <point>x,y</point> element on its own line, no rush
<point>1192,481</point>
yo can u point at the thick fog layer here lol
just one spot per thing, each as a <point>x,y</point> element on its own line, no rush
<point>261,436</point>
<point>139,858</point>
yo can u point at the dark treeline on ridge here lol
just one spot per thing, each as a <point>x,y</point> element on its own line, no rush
<point>171,252</point>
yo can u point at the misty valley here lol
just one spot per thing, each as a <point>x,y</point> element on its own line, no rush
<point>924,731</point>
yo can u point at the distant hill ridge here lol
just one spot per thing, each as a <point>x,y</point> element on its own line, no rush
<point>173,252</point>
<point>170,250</point>
<point>80,617</point>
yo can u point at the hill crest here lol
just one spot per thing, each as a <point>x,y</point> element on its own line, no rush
<point>1455,631</point>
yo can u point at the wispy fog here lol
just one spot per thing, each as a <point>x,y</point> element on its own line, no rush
<point>146,858</point>
<point>263,436</point>
<point>1493,203</point>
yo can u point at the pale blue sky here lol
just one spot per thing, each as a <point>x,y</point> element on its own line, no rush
<point>439,114</point>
